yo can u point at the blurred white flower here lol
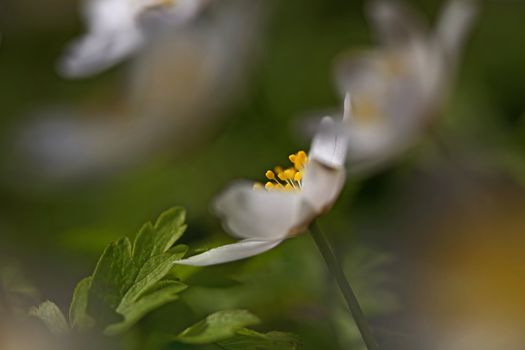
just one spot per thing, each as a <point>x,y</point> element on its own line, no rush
<point>177,95</point>
<point>263,216</point>
<point>398,87</point>
<point>116,29</point>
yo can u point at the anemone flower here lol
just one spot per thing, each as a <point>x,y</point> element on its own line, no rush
<point>116,30</point>
<point>398,88</point>
<point>167,105</point>
<point>264,215</point>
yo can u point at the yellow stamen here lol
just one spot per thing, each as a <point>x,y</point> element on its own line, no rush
<point>270,175</point>
<point>288,179</point>
<point>289,173</point>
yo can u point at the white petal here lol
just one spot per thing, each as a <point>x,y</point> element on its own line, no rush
<point>230,252</point>
<point>258,214</point>
<point>361,74</point>
<point>454,25</point>
<point>113,34</point>
<point>330,144</point>
<point>395,22</point>
<point>322,185</point>
<point>392,91</point>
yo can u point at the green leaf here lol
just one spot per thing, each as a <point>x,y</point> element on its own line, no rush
<point>154,240</point>
<point>78,317</point>
<point>52,317</point>
<point>121,288</point>
<point>162,293</point>
<point>249,339</point>
<point>218,326</point>
<point>113,276</point>
<point>153,271</point>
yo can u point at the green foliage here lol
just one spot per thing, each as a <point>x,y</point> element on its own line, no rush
<point>131,280</point>
<point>78,316</point>
<point>128,281</point>
<point>126,284</point>
<point>218,326</point>
<point>52,317</point>
<point>227,330</point>
<point>249,339</point>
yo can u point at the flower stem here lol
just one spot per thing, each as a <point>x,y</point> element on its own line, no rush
<point>337,272</point>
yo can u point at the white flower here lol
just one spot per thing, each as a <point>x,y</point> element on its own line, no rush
<point>263,216</point>
<point>167,106</point>
<point>399,87</point>
<point>115,31</point>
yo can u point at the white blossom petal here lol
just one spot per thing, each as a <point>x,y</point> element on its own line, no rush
<point>392,93</point>
<point>330,144</point>
<point>113,34</point>
<point>230,252</point>
<point>454,24</point>
<point>321,186</point>
<point>257,213</point>
<point>395,22</point>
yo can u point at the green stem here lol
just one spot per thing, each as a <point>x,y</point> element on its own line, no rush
<point>337,272</point>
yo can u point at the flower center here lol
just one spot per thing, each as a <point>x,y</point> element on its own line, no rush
<point>394,65</point>
<point>289,179</point>
<point>366,110</point>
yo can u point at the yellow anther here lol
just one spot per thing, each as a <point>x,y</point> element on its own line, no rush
<point>298,159</point>
<point>257,186</point>
<point>289,173</point>
<point>288,179</point>
<point>270,175</point>
<point>302,157</point>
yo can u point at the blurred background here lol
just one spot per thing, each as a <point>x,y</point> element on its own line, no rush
<point>433,242</point>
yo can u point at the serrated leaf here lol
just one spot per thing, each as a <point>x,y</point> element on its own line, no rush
<point>153,270</point>
<point>78,317</point>
<point>162,293</point>
<point>154,240</point>
<point>249,339</point>
<point>113,276</point>
<point>218,326</point>
<point>49,313</point>
<point>125,274</point>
